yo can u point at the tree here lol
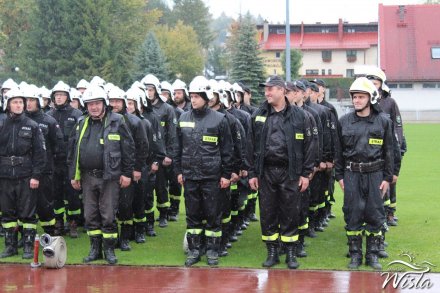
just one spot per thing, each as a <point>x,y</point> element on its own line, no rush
<point>217,64</point>
<point>247,65</point>
<point>182,49</point>
<point>196,14</point>
<point>295,62</point>
<point>150,60</point>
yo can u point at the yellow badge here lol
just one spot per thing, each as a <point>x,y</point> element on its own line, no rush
<point>187,124</point>
<point>260,119</point>
<point>210,138</point>
<point>376,141</point>
<point>162,123</point>
<point>114,137</point>
<point>299,135</point>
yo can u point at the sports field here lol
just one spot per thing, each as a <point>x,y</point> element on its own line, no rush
<point>418,233</point>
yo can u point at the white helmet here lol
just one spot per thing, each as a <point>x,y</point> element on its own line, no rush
<point>166,86</point>
<point>76,95</point>
<point>116,93</point>
<point>135,94</point>
<point>9,84</point>
<point>385,88</point>
<point>82,84</point>
<point>150,79</point>
<point>364,85</point>
<point>98,81</point>
<point>32,91</point>
<point>61,87</point>
<point>201,85</point>
<point>108,87</point>
<point>180,85</point>
<point>376,73</point>
<point>143,88</point>
<point>23,84</point>
<point>14,92</point>
<point>227,87</point>
<point>44,92</point>
<point>94,93</point>
<point>221,93</point>
<point>237,88</point>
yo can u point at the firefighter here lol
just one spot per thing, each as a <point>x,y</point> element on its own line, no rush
<point>53,139</point>
<point>127,196</point>
<point>181,97</point>
<point>168,128</point>
<point>364,170</point>
<point>101,162</point>
<point>204,166</point>
<point>76,97</point>
<point>22,160</point>
<point>45,95</point>
<point>82,85</point>
<point>67,117</point>
<point>282,161</point>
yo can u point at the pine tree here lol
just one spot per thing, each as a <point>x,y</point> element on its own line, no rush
<point>150,60</point>
<point>247,65</point>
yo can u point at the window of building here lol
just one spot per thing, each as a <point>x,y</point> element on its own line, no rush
<point>392,85</point>
<point>312,71</point>
<point>351,55</point>
<point>350,73</point>
<point>329,72</point>
<point>326,55</point>
<point>325,30</point>
<point>351,30</point>
<point>281,31</point>
<point>277,54</point>
<point>429,85</point>
<point>435,52</point>
<point>322,71</point>
<point>406,85</point>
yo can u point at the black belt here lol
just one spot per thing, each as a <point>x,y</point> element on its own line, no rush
<point>365,167</point>
<point>11,161</point>
<point>95,173</point>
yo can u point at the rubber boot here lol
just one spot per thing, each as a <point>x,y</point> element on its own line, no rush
<point>317,220</point>
<point>223,250</point>
<point>272,255</point>
<point>382,253</point>
<point>330,213</point>
<point>109,250</point>
<point>252,216</point>
<point>150,225</point>
<point>139,233</point>
<point>193,255</point>
<point>163,217</point>
<point>20,235</point>
<point>11,239</point>
<point>49,230</point>
<point>174,210</point>
<point>291,261</point>
<point>212,245</point>
<point>73,229</point>
<point>232,232</point>
<point>95,249</point>
<point>390,218</point>
<point>28,244</point>
<point>311,230</point>
<point>300,249</point>
<point>371,258</point>
<point>355,251</point>
<point>59,227</point>
<point>124,237</point>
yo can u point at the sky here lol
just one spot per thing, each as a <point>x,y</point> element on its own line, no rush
<point>308,11</point>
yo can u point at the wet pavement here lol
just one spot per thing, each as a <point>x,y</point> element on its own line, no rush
<point>127,279</point>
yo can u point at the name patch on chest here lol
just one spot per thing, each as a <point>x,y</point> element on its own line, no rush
<point>299,135</point>
<point>375,141</point>
<point>213,139</point>
<point>187,124</point>
<point>26,128</point>
<point>260,119</point>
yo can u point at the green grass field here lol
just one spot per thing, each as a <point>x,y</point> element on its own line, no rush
<point>418,232</point>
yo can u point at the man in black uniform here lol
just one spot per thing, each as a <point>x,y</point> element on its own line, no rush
<point>364,169</point>
<point>101,161</point>
<point>246,98</point>
<point>168,126</point>
<point>67,117</point>
<point>45,95</point>
<point>53,138</point>
<point>181,97</point>
<point>22,160</point>
<point>128,199</point>
<point>283,159</point>
<point>204,166</point>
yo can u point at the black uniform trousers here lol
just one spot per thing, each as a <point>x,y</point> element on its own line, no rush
<point>280,203</point>
<point>131,205</point>
<point>44,195</point>
<point>363,202</point>
<point>162,200</point>
<point>203,201</point>
<point>18,203</point>
<point>63,190</point>
<point>174,188</point>
<point>148,189</point>
<point>100,205</point>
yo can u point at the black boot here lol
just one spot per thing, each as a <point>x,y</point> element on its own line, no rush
<point>291,261</point>
<point>150,225</point>
<point>20,236</point>
<point>59,227</point>
<point>371,258</point>
<point>252,204</point>
<point>193,255</point>
<point>73,229</point>
<point>28,244</point>
<point>390,218</point>
<point>139,232</point>
<point>318,221</point>
<point>272,255</point>
<point>300,249</point>
<point>174,210</point>
<point>95,249</point>
<point>49,229</point>
<point>382,253</point>
<point>2,230</point>
<point>109,250</point>
<point>232,232</point>
<point>311,230</point>
<point>163,217</point>
<point>223,250</point>
<point>124,237</point>
<point>212,245</point>
<point>11,239</point>
<point>355,251</point>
